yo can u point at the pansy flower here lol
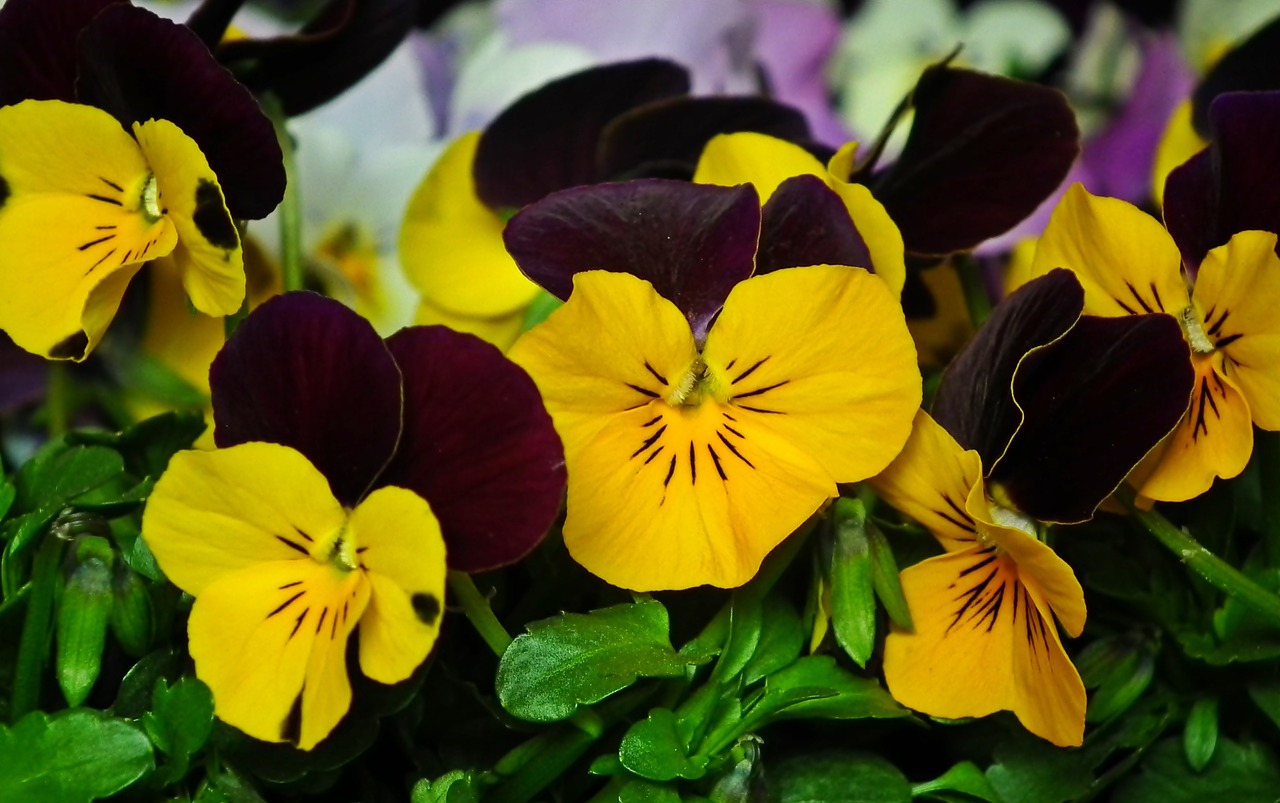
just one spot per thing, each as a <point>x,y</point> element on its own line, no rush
<point>1038,420</point>
<point>348,468</point>
<point>708,403</point>
<point>1216,277</point>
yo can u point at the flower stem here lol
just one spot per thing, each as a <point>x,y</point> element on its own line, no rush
<point>476,608</point>
<point>1216,571</point>
<point>58,398</point>
<point>37,629</point>
<point>290,205</point>
<point>977,297</point>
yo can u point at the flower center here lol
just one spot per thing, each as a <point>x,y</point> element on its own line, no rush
<point>151,199</point>
<point>342,552</point>
<point>692,387</point>
<point>1194,330</point>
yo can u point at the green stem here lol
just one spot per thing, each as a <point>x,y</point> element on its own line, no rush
<point>233,321</point>
<point>1266,446</point>
<point>476,608</point>
<point>1217,572</point>
<point>37,629</point>
<point>290,205</point>
<point>58,398</point>
<point>976,297</point>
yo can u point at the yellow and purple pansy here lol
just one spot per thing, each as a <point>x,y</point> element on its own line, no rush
<point>351,471</point>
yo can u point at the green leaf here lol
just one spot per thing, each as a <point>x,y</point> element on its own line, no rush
<point>132,616</point>
<point>7,494</point>
<point>965,778</point>
<point>1236,772</point>
<point>638,790</point>
<point>83,611</point>
<point>838,776</point>
<point>781,640</point>
<point>1200,736</point>
<point>654,749</point>
<point>1119,669</point>
<point>579,659</point>
<point>148,445</point>
<point>149,376</point>
<point>853,604</point>
<point>179,722</point>
<point>134,697</point>
<point>886,579</point>
<point>814,687</point>
<point>225,786</point>
<point>746,621</point>
<point>457,786</point>
<point>1266,695</point>
<point>70,757</point>
<point>543,305</point>
<point>59,474</point>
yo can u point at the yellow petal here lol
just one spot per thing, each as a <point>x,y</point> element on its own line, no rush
<point>841,163</point>
<point>1238,288</point>
<point>879,232</point>
<point>73,227</point>
<point>270,641</point>
<point>501,331</point>
<point>451,244</point>
<point>668,498</point>
<point>1178,144</point>
<point>940,337</point>
<point>822,356</point>
<point>982,644</point>
<point>212,513</point>
<point>930,481</point>
<point>1213,439</point>
<point>747,157</point>
<point>398,542</point>
<point>614,346</point>
<point>1125,260</point>
<point>208,252</point>
<point>186,343</point>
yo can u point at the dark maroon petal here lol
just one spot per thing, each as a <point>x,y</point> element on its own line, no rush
<point>659,138</point>
<point>1251,66</point>
<point>982,154</point>
<point>343,43</point>
<point>1095,403</point>
<point>138,66</point>
<point>211,19</point>
<point>975,402</point>
<point>306,372</point>
<point>805,223</point>
<point>22,376</point>
<point>1232,186</point>
<point>38,47</point>
<point>693,242</point>
<point>548,139</point>
<point>478,445</point>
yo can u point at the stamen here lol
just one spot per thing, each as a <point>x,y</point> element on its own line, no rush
<point>1194,330</point>
<point>151,199</point>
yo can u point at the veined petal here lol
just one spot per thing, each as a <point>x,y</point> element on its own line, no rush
<point>614,346</point>
<point>670,498</point>
<point>1125,260</point>
<point>982,644</point>
<point>878,231</point>
<point>214,513</point>
<point>451,243</point>
<point>209,253</point>
<point>76,206</point>
<point>1213,439</point>
<point>760,160</point>
<point>930,481</point>
<point>397,541</point>
<point>1178,143</point>
<point>1238,287</point>
<point>822,356</point>
<point>270,641</point>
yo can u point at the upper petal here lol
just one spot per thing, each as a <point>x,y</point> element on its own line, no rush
<point>822,356</point>
<point>756,159</point>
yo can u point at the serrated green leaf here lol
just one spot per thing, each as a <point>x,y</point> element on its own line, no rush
<point>654,749</point>
<point>846,776</point>
<point>853,605</point>
<point>74,756</point>
<point>814,687</point>
<point>578,659</point>
<point>781,640</point>
<point>1200,736</point>
<point>1236,772</point>
<point>965,778</point>
<point>179,722</point>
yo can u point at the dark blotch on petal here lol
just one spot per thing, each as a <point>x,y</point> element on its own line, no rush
<point>211,217</point>
<point>664,139</point>
<point>73,348</point>
<point>38,47</point>
<point>427,608</point>
<point>548,139</point>
<point>805,223</point>
<point>306,372</point>
<point>975,402</point>
<point>4,191</point>
<point>1096,401</point>
<point>982,154</point>
<point>291,728</point>
<point>478,445</point>
<point>693,242</point>
<point>138,66</point>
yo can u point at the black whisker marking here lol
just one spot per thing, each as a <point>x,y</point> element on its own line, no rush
<point>292,545</point>
<point>111,184</point>
<point>653,371</point>
<point>104,199</point>
<point>286,604</point>
<point>650,441</point>
<point>715,458</point>
<point>693,464</point>
<point>765,389</point>
<point>653,454</point>
<point>733,449</point>
<point>749,371</point>
<point>639,389</point>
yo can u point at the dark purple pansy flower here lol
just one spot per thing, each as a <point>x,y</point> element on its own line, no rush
<point>137,66</point>
<point>1062,406</point>
<point>441,413</point>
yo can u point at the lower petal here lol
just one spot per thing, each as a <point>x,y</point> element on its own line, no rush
<point>270,642</point>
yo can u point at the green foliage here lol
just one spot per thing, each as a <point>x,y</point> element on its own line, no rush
<point>70,757</point>
<point>838,776</point>
<point>1237,771</point>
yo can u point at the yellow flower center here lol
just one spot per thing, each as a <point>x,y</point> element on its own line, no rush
<point>150,199</point>
<point>694,385</point>
<point>1193,328</point>
<point>340,550</point>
